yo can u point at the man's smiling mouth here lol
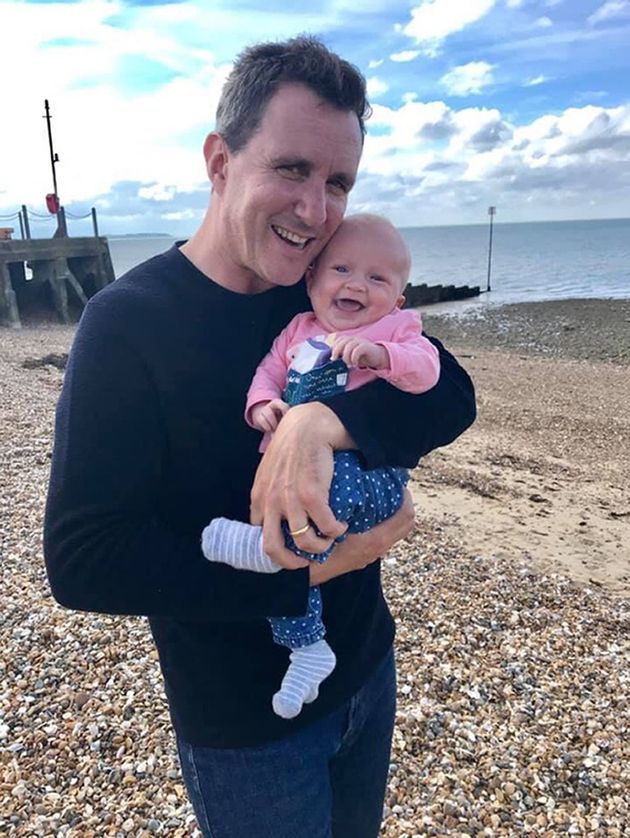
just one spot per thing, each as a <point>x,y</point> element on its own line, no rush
<point>291,238</point>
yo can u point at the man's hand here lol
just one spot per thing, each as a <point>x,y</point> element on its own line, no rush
<point>358,551</point>
<point>359,352</point>
<point>265,416</point>
<point>293,481</point>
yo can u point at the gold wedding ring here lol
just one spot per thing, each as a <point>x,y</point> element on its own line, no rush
<point>301,531</point>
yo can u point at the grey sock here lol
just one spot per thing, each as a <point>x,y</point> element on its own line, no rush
<point>309,666</point>
<point>236,544</point>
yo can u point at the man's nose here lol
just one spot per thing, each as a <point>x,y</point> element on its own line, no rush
<point>311,207</point>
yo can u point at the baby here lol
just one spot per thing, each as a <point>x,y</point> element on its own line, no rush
<point>355,333</point>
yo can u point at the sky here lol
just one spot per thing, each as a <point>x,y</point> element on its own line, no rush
<point>520,104</point>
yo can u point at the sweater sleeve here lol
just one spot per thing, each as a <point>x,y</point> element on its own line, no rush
<point>394,428</point>
<point>414,362</point>
<point>270,377</point>
<point>106,546</point>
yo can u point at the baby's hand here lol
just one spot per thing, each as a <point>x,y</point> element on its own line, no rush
<point>359,352</point>
<point>266,415</point>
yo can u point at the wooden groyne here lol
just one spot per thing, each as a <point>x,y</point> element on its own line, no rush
<point>66,272</point>
<point>422,295</point>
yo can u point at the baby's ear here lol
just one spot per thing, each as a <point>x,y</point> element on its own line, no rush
<point>400,301</point>
<point>309,273</point>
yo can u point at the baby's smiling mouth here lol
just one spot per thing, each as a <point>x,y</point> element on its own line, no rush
<point>295,240</point>
<point>348,304</point>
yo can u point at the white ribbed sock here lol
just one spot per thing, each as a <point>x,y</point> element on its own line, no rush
<point>309,666</point>
<point>236,544</point>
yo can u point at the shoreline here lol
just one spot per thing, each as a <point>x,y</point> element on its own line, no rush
<point>595,329</point>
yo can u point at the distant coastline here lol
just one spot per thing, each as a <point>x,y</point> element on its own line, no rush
<point>139,236</point>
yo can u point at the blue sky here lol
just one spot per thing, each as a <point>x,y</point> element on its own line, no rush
<point>524,104</point>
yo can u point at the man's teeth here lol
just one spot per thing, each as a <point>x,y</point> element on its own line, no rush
<point>288,236</point>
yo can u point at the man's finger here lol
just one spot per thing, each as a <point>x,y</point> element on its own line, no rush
<point>324,519</point>
<point>302,530</point>
<point>273,545</point>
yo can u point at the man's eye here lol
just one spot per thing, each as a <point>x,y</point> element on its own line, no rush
<point>339,187</point>
<point>290,171</point>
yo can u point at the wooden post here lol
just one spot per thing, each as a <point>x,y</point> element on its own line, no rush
<point>94,222</point>
<point>9,315</point>
<point>62,227</point>
<point>22,233</point>
<point>27,226</point>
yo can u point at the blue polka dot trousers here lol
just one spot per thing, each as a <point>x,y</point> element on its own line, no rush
<point>363,498</point>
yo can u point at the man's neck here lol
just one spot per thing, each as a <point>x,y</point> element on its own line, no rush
<point>208,258</point>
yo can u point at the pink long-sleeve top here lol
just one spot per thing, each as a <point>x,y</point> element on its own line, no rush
<point>413,360</point>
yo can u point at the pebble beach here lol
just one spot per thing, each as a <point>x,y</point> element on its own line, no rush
<point>512,599</point>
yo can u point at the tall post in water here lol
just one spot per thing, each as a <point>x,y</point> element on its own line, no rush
<point>492,211</point>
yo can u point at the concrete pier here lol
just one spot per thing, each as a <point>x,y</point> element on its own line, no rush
<point>66,272</point>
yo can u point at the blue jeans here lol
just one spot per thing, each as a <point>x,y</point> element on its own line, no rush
<point>325,781</point>
<point>361,497</point>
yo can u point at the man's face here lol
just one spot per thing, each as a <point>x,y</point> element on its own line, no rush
<point>284,194</point>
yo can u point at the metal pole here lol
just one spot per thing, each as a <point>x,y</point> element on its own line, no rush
<point>21,225</point>
<point>491,212</point>
<point>27,226</point>
<point>94,222</point>
<point>54,158</point>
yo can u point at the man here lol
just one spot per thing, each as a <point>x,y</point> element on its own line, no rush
<point>151,445</point>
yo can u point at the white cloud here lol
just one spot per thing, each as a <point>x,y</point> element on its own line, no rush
<point>432,156</point>
<point>543,22</point>
<point>535,81</point>
<point>514,4</point>
<point>405,55</point>
<point>468,78</point>
<point>434,20</point>
<point>136,151</point>
<point>157,192</point>
<point>133,90</point>
<point>610,9</point>
<point>376,87</point>
<point>94,110</point>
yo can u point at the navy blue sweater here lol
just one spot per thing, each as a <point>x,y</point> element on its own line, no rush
<point>151,445</point>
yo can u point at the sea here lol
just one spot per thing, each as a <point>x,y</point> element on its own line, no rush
<point>549,260</point>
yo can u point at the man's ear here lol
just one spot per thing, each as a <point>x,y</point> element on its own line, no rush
<point>216,154</point>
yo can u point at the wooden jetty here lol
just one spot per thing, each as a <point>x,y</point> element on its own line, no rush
<point>422,295</point>
<point>66,272</point>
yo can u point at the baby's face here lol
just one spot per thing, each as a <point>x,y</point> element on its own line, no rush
<point>360,275</point>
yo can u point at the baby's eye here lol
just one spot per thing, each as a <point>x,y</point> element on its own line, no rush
<point>378,278</point>
<point>340,269</point>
